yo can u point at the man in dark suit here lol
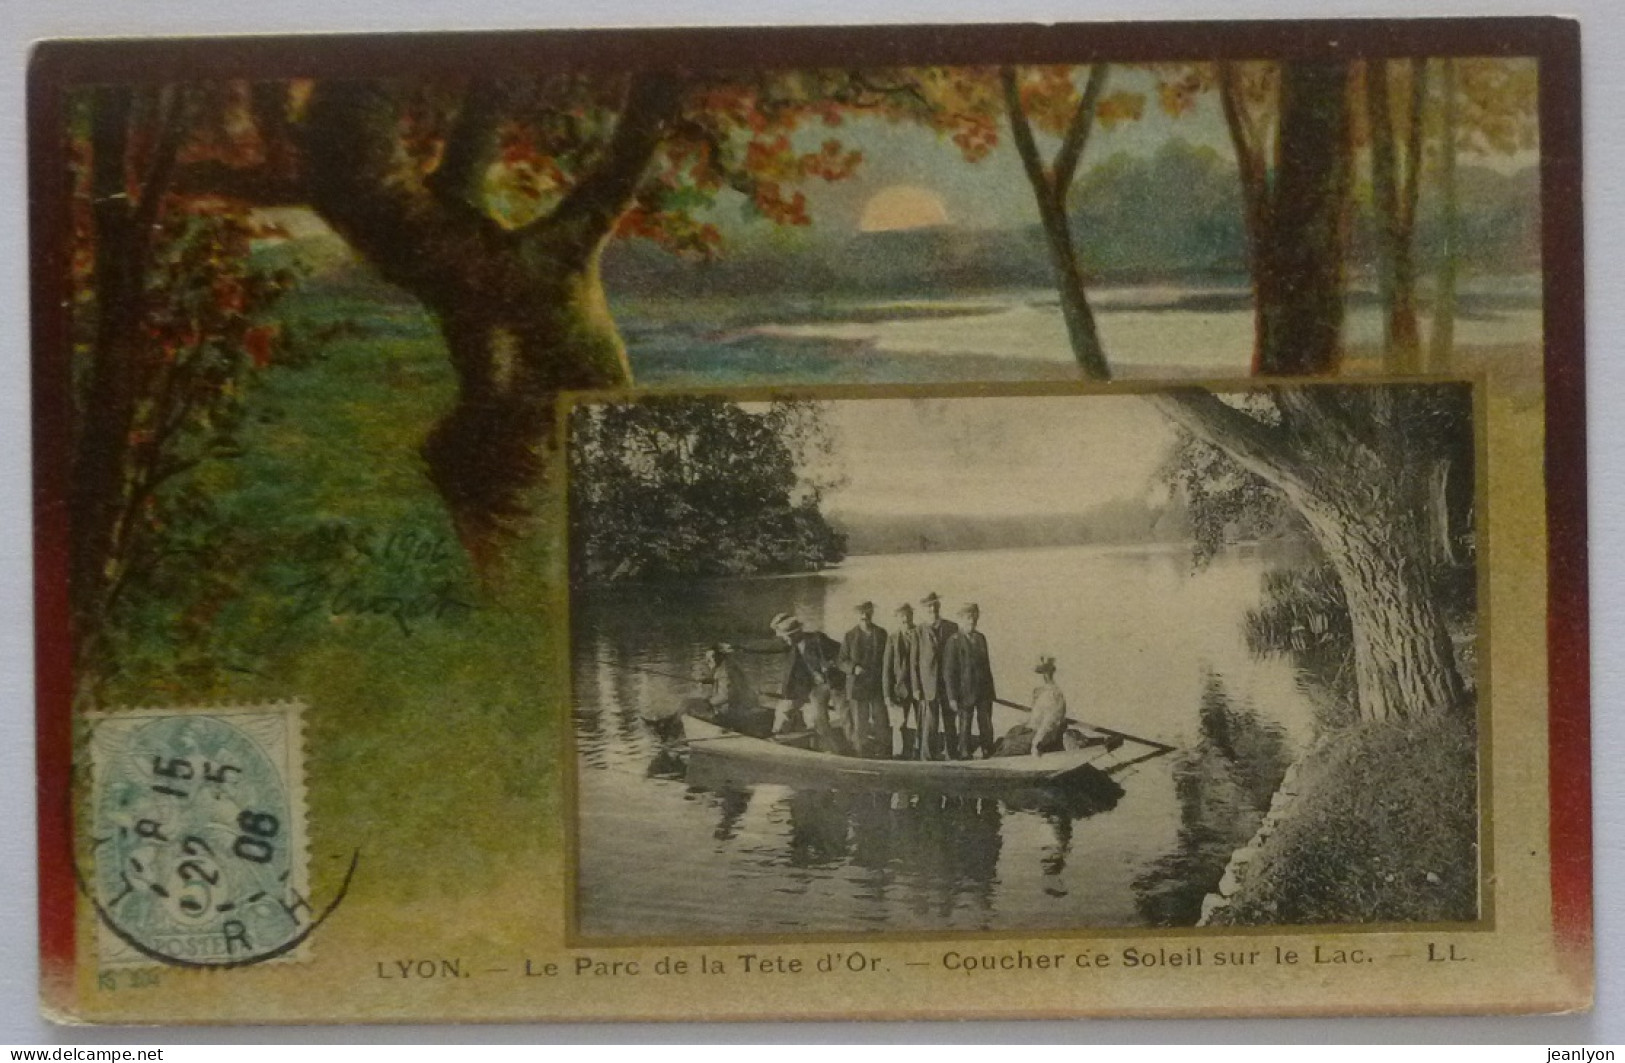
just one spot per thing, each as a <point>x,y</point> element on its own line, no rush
<point>970,684</point>
<point>936,721</point>
<point>900,678</point>
<point>863,658</point>
<point>809,678</point>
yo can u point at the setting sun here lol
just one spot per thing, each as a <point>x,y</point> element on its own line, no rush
<point>902,207</point>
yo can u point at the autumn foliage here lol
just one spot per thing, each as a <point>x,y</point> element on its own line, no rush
<point>490,201</point>
<point>168,331</point>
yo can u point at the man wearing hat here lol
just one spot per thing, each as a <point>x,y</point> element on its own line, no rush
<point>730,699</point>
<point>935,744</point>
<point>970,684</point>
<point>900,678</point>
<point>863,658</point>
<point>808,678</point>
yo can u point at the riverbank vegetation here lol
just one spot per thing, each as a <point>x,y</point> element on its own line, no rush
<point>1383,830</point>
<point>686,488</point>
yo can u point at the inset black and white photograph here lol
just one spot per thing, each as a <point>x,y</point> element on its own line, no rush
<point>1056,660</point>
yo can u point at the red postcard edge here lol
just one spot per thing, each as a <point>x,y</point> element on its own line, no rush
<point>1567,610</point>
<point>53,650</point>
<point>1557,45</point>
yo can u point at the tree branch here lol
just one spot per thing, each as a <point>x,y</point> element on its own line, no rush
<point>365,185</point>
<point>1021,131</point>
<point>459,181</point>
<point>166,152</point>
<point>1079,128</point>
<point>1256,446</point>
<point>1307,414</point>
<point>713,142</point>
<point>259,186</point>
<point>905,88</point>
<point>590,209</point>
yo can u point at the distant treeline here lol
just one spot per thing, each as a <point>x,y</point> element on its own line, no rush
<point>1120,521</point>
<point>1175,215</point>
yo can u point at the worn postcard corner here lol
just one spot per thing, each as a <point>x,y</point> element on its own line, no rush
<point>857,523</point>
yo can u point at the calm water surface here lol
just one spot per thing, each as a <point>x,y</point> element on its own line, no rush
<point>1138,638</point>
<point>1150,331</point>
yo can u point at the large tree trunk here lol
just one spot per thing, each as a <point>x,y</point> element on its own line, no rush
<point>1343,458</point>
<point>100,457</point>
<point>125,207</point>
<point>514,348</point>
<point>522,311</point>
<point>1373,536</point>
<point>1338,457</point>
<point>1395,188</point>
<point>1298,268</point>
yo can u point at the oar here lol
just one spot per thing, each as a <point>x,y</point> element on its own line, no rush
<point>652,671</point>
<point>663,712</point>
<point>1160,747</point>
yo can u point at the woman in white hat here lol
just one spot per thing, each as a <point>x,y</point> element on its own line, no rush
<point>1049,710</point>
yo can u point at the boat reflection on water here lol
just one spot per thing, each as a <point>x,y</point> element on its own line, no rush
<point>669,762</point>
<point>953,841</point>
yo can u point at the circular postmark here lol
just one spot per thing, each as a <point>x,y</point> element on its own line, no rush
<point>198,846</point>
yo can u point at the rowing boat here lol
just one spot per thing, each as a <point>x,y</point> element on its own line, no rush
<point>720,753</point>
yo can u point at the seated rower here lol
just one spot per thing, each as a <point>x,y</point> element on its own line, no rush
<point>731,700</point>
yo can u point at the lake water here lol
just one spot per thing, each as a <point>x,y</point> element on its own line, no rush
<point>1147,331</point>
<point>1139,639</point>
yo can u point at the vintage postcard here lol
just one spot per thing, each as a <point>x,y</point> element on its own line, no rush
<point>936,522</point>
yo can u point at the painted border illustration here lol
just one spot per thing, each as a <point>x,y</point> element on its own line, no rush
<point>59,66</point>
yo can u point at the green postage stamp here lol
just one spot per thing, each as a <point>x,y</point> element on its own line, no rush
<point>198,844</point>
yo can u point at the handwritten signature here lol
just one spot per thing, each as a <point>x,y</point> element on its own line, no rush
<point>323,594</point>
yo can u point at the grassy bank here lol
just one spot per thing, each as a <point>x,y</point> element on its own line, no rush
<point>434,712</point>
<point>1384,829</point>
